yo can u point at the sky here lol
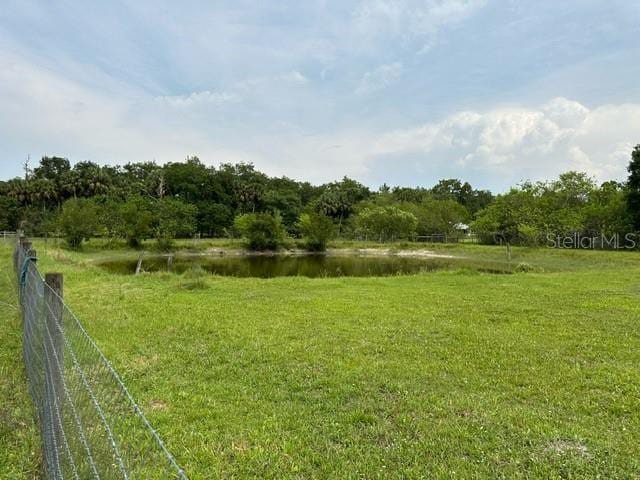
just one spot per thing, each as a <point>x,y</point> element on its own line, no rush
<point>405,92</point>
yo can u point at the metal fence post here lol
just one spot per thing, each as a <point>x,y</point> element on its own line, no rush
<point>54,344</point>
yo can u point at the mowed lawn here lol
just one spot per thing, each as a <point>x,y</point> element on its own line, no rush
<point>438,375</point>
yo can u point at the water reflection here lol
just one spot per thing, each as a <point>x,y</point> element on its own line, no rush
<point>268,266</point>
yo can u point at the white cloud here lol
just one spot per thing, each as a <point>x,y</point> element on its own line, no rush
<point>413,20</point>
<point>204,97</point>
<point>534,143</point>
<point>295,77</point>
<point>48,113</point>
<point>44,113</point>
<point>566,113</point>
<point>262,82</point>
<point>379,78</point>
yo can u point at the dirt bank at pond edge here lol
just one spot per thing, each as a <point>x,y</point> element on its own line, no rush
<point>364,252</point>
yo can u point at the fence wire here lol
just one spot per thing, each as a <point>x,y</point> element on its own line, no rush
<point>91,427</point>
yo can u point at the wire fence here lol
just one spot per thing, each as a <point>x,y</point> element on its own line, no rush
<point>91,427</point>
<point>7,235</point>
<point>448,238</point>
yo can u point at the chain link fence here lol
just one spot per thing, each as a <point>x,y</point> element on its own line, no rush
<point>91,426</point>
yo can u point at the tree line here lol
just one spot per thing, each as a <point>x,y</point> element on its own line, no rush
<point>143,200</point>
<point>535,213</point>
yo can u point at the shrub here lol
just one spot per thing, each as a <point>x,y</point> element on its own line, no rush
<point>317,229</point>
<point>437,216</point>
<point>262,231</point>
<point>386,223</point>
<point>524,267</point>
<point>194,278</point>
<point>78,221</point>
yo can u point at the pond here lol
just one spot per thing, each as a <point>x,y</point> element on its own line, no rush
<point>269,266</point>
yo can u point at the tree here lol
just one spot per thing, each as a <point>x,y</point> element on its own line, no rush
<point>173,218</point>
<point>86,179</point>
<point>190,180</point>
<point>41,191</point>
<point>437,216</point>
<point>262,231</point>
<point>339,198</point>
<point>512,218</point>
<point>78,221</point>
<point>412,195</point>
<point>317,230</point>
<point>143,178</point>
<point>572,204</point>
<point>8,213</point>
<point>463,193</point>
<point>633,188</point>
<point>248,186</point>
<point>606,213</point>
<point>286,203</point>
<point>50,175</point>
<point>109,217</point>
<point>37,221</point>
<point>136,220</point>
<point>386,223</point>
<point>573,189</point>
<point>214,218</point>
<point>452,189</point>
<point>52,168</point>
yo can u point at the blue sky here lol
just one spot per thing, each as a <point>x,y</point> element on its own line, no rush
<point>397,91</point>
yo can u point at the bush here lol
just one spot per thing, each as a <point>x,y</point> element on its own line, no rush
<point>437,216</point>
<point>194,278</point>
<point>262,231</point>
<point>524,267</point>
<point>386,223</point>
<point>317,230</point>
<point>78,221</point>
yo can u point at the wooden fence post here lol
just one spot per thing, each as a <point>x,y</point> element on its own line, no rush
<point>54,344</point>
<point>139,265</point>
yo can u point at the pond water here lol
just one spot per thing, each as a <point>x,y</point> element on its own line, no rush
<point>268,266</point>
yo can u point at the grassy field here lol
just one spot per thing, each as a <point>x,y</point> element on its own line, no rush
<point>451,374</point>
<point>19,442</point>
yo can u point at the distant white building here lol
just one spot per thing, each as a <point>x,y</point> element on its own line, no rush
<point>462,228</point>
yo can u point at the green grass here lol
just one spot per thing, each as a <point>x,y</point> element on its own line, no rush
<point>452,374</point>
<point>19,441</point>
